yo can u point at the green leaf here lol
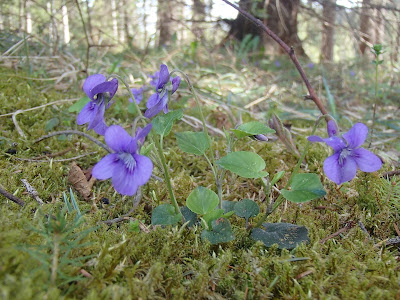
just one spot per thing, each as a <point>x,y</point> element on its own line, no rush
<point>247,208</point>
<point>192,142</point>
<point>228,206</point>
<point>189,216</point>
<point>202,200</point>
<point>277,177</point>
<point>212,216</point>
<point>305,187</point>
<point>162,125</point>
<point>286,235</point>
<point>243,163</point>
<point>78,105</point>
<point>221,232</point>
<point>131,108</point>
<point>164,214</point>
<point>51,124</point>
<point>252,128</point>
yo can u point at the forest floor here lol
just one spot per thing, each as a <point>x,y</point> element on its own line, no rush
<point>354,236</point>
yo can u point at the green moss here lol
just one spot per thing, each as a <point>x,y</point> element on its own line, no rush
<point>167,263</point>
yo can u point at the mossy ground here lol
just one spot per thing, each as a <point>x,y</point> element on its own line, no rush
<point>169,263</point>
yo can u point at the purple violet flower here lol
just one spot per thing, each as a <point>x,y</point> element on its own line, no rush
<point>126,167</point>
<point>352,73</point>
<point>96,87</point>
<point>137,94</point>
<point>277,63</point>
<point>310,65</point>
<point>154,78</point>
<point>159,100</point>
<point>347,154</point>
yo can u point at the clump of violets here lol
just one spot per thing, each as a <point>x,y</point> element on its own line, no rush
<point>127,168</point>
<point>159,100</point>
<point>347,156</point>
<point>100,92</point>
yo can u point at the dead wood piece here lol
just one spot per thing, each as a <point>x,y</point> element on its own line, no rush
<point>340,231</point>
<point>12,197</point>
<point>32,191</point>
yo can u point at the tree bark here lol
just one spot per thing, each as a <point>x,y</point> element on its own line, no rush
<point>279,15</point>
<point>164,16</point>
<point>328,30</point>
<point>114,19</point>
<point>365,27</point>
<point>65,21</point>
<point>198,16</point>
<point>379,27</point>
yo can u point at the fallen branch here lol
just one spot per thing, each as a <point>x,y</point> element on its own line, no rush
<point>12,197</point>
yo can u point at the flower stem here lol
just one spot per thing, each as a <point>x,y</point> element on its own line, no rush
<point>129,91</point>
<point>295,171</point>
<point>218,180</point>
<point>166,174</point>
<point>54,264</point>
<point>375,95</point>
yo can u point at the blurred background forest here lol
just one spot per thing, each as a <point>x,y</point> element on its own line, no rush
<point>322,30</point>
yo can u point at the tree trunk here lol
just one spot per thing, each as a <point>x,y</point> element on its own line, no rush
<point>198,16</point>
<point>365,27</point>
<point>114,19</point>
<point>28,20</point>
<point>279,15</point>
<point>379,27</point>
<point>164,16</point>
<point>89,20</point>
<point>65,21</point>
<point>328,30</point>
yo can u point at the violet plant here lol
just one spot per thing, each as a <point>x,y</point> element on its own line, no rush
<point>130,168</point>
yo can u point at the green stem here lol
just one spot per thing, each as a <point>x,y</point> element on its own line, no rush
<point>166,174</point>
<point>375,96</point>
<point>295,170</point>
<point>129,90</point>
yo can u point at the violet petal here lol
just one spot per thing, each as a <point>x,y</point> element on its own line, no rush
<point>335,142</point>
<point>143,170</point>
<point>176,81</point>
<point>332,128</point>
<point>153,100</point>
<point>87,113</point>
<point>164,77</point>
<point>117,138</point>
<point>337,172</point>
<point>105,167</point>
<point>366,160</point>
<point>315,138</point>
<point>91,82</point>
<point>106,87</point>
<point>356,136</point>
<point>123,180</point>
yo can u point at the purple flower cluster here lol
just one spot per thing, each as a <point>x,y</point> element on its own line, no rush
<point>96,88</point>
<point>127,168</point>
<point>159,100</point>
<point>347,156</point>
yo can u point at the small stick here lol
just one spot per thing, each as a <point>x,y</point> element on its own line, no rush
<point>397,229</point>
<point>54,160</point>
<point>364,229</point>
<point>340,231</point>
<point>14,118</point>
<point>12,197</point>
<point>94,140</point>
<point>391,173</point>
<point>290,51</point>
<point>38,107</point>
<point>53,154</point>
<point>32,191</point>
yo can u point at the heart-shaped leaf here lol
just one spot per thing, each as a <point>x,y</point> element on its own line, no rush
<point>252,128</point>
<point>192,142</point>
<point>228,206</point>
<point>189,216</point>
<point>162,125</point>
<point>51,124</point>
<point>165,214</point>
<point>286,235</point>
<point>212,216</point>
<point>305,187</point>
<point>221,232</point>
<point>247,208</point>
<point>202,200</point>
<point>244,163</point>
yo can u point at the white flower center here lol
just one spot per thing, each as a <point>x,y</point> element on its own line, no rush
<point>128,159</point>
<point>343,155</point>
